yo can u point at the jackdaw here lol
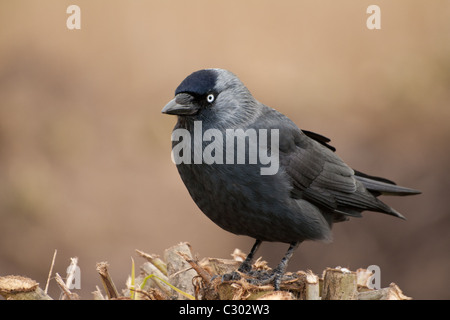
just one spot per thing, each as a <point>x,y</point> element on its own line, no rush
<point>310,189</point>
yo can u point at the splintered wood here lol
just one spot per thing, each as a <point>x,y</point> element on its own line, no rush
<point>180,275</point>
<point>203,279</point>
<point>21,288</point>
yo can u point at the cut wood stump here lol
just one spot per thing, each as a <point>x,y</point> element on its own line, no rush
<point>181,275</point>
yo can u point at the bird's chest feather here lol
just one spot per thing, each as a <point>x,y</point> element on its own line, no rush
<point>233,193</point>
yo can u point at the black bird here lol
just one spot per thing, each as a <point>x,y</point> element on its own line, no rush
<point>310,189</point>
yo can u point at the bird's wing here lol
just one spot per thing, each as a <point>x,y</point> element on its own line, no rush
<point>317,173</point>
<point>319,138</point>
<point>376,185</point>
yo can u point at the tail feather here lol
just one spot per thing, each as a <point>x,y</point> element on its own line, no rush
<point>382,186</point>
<point>395,213</point>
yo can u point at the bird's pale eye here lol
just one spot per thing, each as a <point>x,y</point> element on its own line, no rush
<point>210,98</point>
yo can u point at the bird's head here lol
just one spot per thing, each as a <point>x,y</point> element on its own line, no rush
<point>215,95</point>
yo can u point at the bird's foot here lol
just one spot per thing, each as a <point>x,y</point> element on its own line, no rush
<point>253,275</point>
<point>233,276</point>
<point>262,277</point>
<point>276,275</point>
<point>256,277</point>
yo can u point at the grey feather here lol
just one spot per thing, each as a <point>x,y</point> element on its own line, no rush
<point>312,189</point>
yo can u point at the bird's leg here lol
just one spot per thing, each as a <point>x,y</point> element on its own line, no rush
<point>246,265</point>
<point>281,268</point>
<point>276,275</point>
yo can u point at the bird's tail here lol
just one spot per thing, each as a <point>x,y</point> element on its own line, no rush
<point>381,186</point>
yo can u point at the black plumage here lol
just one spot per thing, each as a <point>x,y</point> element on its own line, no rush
<point>312,188</point>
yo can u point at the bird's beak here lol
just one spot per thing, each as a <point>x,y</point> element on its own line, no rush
<point>181,105</point>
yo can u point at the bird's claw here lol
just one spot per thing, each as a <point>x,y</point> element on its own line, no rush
<point>256,277</point>
<point>233,276</point>
<point>262,277</point>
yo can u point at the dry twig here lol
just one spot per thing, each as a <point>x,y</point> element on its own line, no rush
<point>108,284</point>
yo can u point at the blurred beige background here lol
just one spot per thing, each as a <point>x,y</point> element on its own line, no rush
<point>85,152</point>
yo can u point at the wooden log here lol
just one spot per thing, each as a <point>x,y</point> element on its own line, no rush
<point>189,278</point>
<point>21,288</point>
<point>277,295</point>
<point>218,266</point>
<point>392,292</point>
<point>179,271</point>
<point>339,284</point>
<point>310,289</point>
<point>363,277</point>
<point>148,269</point>
<point>240,290</point>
